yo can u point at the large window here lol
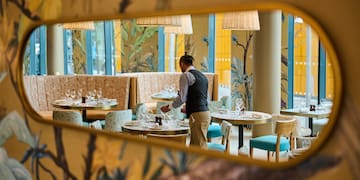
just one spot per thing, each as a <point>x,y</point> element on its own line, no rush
<point>98,49</point>
<point>35,53</point>
<point>115,47</point>
<point>313,76</point>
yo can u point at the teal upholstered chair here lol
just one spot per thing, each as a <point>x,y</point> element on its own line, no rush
<point>214,129</point>
<point>115,119</point>
<point>225,141</point>
<point>68,116</point>
<point>282,141</point>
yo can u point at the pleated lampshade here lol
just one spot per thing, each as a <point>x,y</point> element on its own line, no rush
<point>159,21</point>
<point>89,25</point>
<point>244,20</point>
<point>185,28</point>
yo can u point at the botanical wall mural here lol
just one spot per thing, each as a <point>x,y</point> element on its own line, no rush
<point>139,47</point>
<point>79,51</point>
<point>195,43</point>
<point>241,74</point>
<point>36,149</point>
<point>284,60</point>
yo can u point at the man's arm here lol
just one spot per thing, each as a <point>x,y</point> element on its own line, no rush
<point>186,79</point>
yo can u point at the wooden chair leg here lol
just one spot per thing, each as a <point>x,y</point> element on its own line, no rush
<point>277,156</point>
<point>251,152</point>
<point>268,155</point>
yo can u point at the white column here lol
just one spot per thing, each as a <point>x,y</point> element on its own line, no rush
<point>55,49</point>
<point>267,68</point>
<point>172,52</point>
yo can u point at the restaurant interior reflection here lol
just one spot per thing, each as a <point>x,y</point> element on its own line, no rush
<point>114,75</point>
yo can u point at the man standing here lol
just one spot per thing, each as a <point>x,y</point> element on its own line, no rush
<point>193,92</point>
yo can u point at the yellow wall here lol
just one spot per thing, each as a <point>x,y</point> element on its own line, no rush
<point>222,52</point>
<point>117,44</point>
<point>179,50</point>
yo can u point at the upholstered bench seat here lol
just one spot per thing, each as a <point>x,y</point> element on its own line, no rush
<point>42,91</point>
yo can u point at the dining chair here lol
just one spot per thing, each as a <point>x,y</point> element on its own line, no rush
<point>115,119</point>
<point>214,129</point>
<point>68,116</point>
<point>281,141</point>
<point>225,141</point>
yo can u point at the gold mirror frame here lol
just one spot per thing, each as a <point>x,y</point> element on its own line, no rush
<point>261,7</point>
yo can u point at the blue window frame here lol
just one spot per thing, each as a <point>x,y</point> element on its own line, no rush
<point>211,38</point>
<point>37,64</point>
<point>290,61</point>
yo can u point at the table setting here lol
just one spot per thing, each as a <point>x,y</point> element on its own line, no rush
<point>158,124</point>
<point>169,93</point>
<point>92,99</point>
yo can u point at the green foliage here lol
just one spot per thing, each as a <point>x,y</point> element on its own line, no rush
<point>134,58</point>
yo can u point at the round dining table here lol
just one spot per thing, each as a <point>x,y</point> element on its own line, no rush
<point>241,119</point>
<point>317,114</point>
<point>104,104</point>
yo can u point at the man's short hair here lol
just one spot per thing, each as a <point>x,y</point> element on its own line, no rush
<point>187,59</point>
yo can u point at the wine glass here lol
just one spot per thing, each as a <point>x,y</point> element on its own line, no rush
<point>239,105</point>
<point>92,94</point>
<point>99,94</point>
<point>167,89</point>
<point>88,96</point>
<point>79,92</point>
<point>67,94</point>
<point>172,89</point>
<point>73,95</point>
